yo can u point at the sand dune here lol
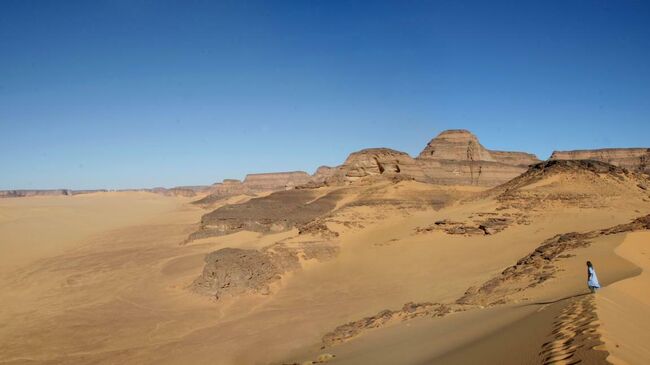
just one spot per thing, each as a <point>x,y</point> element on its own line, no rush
<point>623,307</point>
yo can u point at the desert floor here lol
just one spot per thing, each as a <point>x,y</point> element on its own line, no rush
<point>103,278</point>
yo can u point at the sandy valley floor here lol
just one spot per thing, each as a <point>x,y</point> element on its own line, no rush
<point>103,279</point>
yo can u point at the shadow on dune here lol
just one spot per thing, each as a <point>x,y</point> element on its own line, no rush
<point>559,300</point>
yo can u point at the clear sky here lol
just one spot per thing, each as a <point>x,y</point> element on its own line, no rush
<point>131,93</point>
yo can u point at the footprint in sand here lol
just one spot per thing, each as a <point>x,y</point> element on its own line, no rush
<point>574,337</point>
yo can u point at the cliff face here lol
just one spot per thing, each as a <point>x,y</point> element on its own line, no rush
<point>633,159</point>
<point>456,157</point>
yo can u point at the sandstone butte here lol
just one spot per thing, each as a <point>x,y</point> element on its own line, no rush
<point>454,157</point>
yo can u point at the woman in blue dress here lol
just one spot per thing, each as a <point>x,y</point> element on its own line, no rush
<point>592,279</point>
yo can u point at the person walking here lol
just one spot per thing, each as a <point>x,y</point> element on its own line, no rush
<point>592,279</point>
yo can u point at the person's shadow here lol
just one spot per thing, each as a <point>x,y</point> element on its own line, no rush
<point>561,299</point>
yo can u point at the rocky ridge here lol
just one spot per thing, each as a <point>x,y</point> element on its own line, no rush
<point>581,183</point>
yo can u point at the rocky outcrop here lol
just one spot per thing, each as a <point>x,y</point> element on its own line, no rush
<point>235,271</point>
<point>491,225</point>
<point>633,159</point>
<point>456,157</point>
<point>408,311</point>
<point>276,212</point>
<point>578,183</point>
<point>380,161</point>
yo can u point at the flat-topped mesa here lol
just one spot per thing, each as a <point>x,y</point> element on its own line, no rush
<point>633,159</point>
<point>456,157</point>
<point>383,162</point>
<point>457,145</point>
<point>274,181</point>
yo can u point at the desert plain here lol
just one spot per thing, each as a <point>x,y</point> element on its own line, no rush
<point>461,255</point>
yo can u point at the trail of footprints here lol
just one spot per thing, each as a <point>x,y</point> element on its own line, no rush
<point>574,335</point>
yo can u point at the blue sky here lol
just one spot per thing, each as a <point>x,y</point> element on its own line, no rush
<point>131,93</point>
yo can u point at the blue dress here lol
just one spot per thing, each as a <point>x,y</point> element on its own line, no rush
<point>593,279</point>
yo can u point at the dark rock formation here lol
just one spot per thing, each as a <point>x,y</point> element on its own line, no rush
<point>489,226</point>
<point>276,212</point>
<point>408,311</point>
<point>235,271</point>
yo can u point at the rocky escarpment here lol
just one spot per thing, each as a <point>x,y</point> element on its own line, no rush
<point>456,157</point>
<point>235,271</point>
<point>633,159</point>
